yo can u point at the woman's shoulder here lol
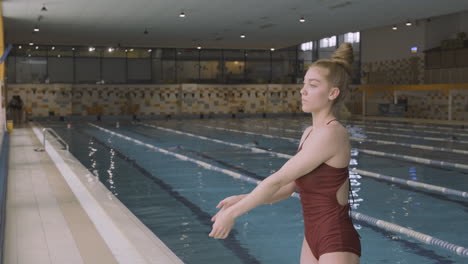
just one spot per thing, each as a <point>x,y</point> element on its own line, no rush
<point>334,132</point>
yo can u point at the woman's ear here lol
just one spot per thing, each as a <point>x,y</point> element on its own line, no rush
<point>334,92</point>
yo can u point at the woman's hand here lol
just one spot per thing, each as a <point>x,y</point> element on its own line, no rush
<point>226,203</point>
<point>223,223</point>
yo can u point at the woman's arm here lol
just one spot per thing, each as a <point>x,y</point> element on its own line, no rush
<point>283,193</point>
<point>320,148</point>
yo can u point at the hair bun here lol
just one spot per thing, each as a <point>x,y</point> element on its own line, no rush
<point>344,55</point>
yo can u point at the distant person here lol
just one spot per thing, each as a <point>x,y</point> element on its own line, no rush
<point>15,108</point>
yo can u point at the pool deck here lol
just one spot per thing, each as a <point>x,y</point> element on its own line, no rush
<point>57,218</point>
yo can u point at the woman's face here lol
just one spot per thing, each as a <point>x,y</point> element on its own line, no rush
<point>316,92</point>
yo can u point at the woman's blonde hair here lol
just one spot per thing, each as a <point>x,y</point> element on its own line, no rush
<point>339,75</point>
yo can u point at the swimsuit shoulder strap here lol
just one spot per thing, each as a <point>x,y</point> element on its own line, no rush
<point>300,146</point>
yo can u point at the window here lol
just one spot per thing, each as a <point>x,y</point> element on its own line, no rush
<point>352,37</point>
<point>307,46</point>
<point>328,42</point>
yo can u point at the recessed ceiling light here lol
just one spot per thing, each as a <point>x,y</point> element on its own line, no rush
<point>302,20</point>
<point>242,36</point>
<point>182,14</point>
<point>394,28</point>
<point>408,23</point>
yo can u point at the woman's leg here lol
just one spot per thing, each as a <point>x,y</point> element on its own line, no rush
<point>306,254</point>
<point>339,258</point>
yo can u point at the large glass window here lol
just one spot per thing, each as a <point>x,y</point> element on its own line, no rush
<point>188,68</point>
<point>11,69</point>
<point>31,69</point>
<point>139,66</point>
<point>283,65</point>
<point>327,47</point>
<point>234,66</point>
<point>66,64</point>
<point>168,66</point>
<point>210,66</point>
<point>258,68</point>
<point>60,65</point>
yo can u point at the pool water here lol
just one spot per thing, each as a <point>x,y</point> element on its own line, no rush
<point>177,198</point>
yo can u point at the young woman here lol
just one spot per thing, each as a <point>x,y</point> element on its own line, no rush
<point>319,171</point>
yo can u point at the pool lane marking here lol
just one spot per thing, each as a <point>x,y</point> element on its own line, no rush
<point>253,149</point>
<point>399,135</point>
<point>358,216</point>
<point>412,130</point>
<point>121,248</point>
<point>412,184</point>
<point>368,124</point>
<point>439,163</point>
<point>386,142</point>
<point>413,125</point>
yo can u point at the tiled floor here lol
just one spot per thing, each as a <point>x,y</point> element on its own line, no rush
<point>46,222</point>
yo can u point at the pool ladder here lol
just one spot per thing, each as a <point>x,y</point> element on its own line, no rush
<point>51,131</point>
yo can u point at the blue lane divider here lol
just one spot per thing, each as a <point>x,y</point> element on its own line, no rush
<point>411,233</point>
<point>387,142</point>
<point>412,130</point>
<point>412,184</point>
<point>438,163</point>
<point>414,125</point>
<point>358,216</point>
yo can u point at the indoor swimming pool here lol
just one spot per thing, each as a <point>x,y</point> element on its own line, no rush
<point>172,173</point>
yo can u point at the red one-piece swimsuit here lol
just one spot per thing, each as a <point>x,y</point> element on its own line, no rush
<point>327,224</point>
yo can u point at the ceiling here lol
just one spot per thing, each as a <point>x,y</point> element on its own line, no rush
<point>209,23</point>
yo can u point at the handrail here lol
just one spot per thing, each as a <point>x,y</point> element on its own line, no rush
<point>44,130</point>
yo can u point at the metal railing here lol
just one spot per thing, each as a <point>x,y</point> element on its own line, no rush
<point>51,131</point>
